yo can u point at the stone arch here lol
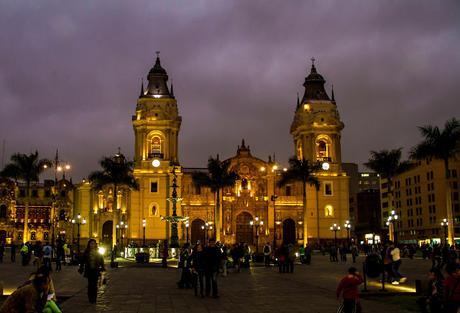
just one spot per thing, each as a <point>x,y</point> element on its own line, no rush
<point>244,230</point>
<point>289,231</point>
<point>107,233</point>
<point>323,146</point>
<point>197,233</point>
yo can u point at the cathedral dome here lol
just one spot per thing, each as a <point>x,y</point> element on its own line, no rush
<point>157,78</point>
<point>314,86</point>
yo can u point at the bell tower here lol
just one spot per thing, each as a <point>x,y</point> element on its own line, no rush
<point>317,127</point>
<point>156,127</point>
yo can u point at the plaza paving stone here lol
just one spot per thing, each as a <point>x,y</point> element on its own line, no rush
<point>134,288</point>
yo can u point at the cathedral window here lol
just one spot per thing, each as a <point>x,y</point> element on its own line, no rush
<point>328,211</point>
<point>154,210</point>
<point>299,150</point>
<point>323,146</point>
<point>154,186</point>
<point>155,147</point>
<point>328,189</point>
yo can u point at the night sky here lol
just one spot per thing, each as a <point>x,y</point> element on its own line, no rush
<point>70,73</point>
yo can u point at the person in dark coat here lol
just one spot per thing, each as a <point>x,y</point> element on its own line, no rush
<point>212,256</point>
<point>13,252</point>
<point>91,266</point>
<point>197,262</point>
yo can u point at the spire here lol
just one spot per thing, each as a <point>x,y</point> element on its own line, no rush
<point>142,88</point>
<point>242,144</point>
<point>298,102</point>
<point>269,159</point>
<point>243,150</point>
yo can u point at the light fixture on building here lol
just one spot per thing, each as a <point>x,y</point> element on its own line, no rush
<point>156,163</point>
<point>325,166</point>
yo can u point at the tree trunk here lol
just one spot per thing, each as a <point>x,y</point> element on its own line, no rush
<point>217,215</point>
<point>25,234</point>
<point>450,215</point>
<point>317,216</point>
<point>305,215</point>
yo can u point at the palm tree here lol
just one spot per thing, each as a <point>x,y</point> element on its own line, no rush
<point>117,172</point>
<point>304,171</point>
<point>26,168</point>
<point>388,164</point>
<point>218,177</point>
<point>442,145</point>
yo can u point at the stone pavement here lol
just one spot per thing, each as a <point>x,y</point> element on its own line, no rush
<point>134,288</point>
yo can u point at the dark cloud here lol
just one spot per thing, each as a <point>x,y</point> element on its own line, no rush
<point>70,72</point>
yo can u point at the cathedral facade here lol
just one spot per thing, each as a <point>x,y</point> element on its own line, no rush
<point>255,210</point>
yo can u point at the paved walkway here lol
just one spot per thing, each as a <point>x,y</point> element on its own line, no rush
<point>133,288</point>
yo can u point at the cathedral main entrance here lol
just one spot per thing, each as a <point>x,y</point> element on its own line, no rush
<point>244,231</point>
<point>197,231</point>
<point>107,231</point>
<point>289,231</point>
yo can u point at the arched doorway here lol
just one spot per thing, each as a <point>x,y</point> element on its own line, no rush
<point>289,231</point>
<point>197,231</point>
<point>107,231</point>
<point>244,231</point>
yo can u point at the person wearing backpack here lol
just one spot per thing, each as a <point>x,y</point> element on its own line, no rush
<point>47,252</point>
<point>267,254</point>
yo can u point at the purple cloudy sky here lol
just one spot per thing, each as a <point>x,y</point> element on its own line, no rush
<point>70,72</point>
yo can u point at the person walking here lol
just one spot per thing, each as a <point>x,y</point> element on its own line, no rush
<point>267,254</point>
<point>307,254</point>
<point>91,266</point>
<point>211,268</point>
<point>290,258</point>
<point>396,263</point>
<point>348,288</point>
<point>13,252</point>
<point>224,260</point>
<point>354,252</point>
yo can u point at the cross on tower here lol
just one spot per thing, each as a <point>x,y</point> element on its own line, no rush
<point>158,53</point>
<point>312,61</point>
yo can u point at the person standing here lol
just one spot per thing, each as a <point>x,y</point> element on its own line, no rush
<point>47,253</point>
<point>267,254</point>
<point>198,268</point>
<point>354,252</point>
<point>307,253</point>
<point>348,288</point>
<point>211,268</point>
<point>91,266</point>
<point>24,254</point>
<point>59,254</point>
<point>13,252</point>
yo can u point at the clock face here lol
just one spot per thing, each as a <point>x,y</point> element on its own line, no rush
<point>325,166</point>
<point>156,163</point>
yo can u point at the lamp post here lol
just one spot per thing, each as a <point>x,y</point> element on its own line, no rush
<point>335,228</point>
<point>144,223</point>
<point>187,225</point>
<point>445,225</point>
<point>391,223</point>
<point>348,228</point>
<point>257,223</point>
<point>78,221</point>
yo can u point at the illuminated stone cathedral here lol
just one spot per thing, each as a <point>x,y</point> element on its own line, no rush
<point>254,210</point>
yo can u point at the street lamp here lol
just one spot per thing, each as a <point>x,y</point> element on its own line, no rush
<point>445,224</point>
<point>257,223</point>
<point>205,228</point>
<point>79,221</point>
<point>187,225</point>
<point>348,228</point>
<point>391,223</point>
<point>144,223</point>
<point>335,228</point>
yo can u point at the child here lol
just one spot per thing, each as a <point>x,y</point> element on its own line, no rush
<point>348,287</point>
